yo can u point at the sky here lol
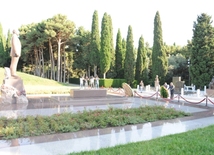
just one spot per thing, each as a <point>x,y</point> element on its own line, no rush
<point>177,16</point>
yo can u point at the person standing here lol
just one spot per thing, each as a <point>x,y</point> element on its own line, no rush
<point>86,82</point>
<point>96,81</point>
<point>171,89</point>
<point>92,82</point>
<point>15,52</point>
<point>81,82</point>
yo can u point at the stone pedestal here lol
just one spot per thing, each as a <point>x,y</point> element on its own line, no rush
<point>84,93</point>
<point>210,92</point>
<point>12,91</point>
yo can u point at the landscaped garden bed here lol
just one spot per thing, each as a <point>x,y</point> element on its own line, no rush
<point>71,122</point>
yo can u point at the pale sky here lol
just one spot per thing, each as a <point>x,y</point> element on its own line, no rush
<point>177,16</point>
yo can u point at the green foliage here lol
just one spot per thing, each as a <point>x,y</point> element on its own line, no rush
<point>201,48</point>
<point>164,92</point>
<point>141,60</point>
<point>3,54</point>
<point>129,64</point>
<point>159,59</point>
<point>88,119</point>
<point>111,72</point>
<point>119,56</point>
<point>105,51</point>
<point>177,67</point>
<point>82,52</point>
<point>115,83</point>
<point>95,41</point>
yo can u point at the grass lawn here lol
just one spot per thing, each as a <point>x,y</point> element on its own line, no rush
<point>37,85</point>
<point>195,142</point>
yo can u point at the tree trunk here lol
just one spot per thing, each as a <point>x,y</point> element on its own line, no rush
<point>60,76</point>
<point>39,63</point>
<point>51,60</point>
<point>89,71</point>
<point>64,69</point>
<point>95,70</point>
<point>36,70</point>
<point>58,60</point>
<point>42,61</point>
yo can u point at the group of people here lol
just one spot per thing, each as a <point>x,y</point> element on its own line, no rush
<point>171,89</point>
<point>92,82</point>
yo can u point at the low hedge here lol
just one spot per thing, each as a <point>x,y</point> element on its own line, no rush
<point>115,83</point>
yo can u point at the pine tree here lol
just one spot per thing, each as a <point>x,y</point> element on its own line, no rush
<point>105,50</point>
<point>159,59</point>
<point>129,64</point>
<point>95,43</point>
<point>202,51</point>
<point>141,60</point>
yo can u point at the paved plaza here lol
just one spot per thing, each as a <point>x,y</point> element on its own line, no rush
<point>202,116</point>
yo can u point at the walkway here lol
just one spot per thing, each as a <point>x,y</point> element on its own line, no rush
<point>99,138</point>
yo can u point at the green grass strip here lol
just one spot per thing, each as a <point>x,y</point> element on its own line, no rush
<point>195,142</point>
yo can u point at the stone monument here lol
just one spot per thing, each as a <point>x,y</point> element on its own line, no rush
<point>178,84</point>
<point>12,89</point>
<point>210,91</point>
<point>128,90</point>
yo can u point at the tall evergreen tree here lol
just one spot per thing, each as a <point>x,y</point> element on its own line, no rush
<point>95,43</point>
<point>119,56</point>
<point>202,51</point>
<point>159,59</point>
<point>7,49</point>
<point>141,60</point>
<point>105,50</point>
<point>129,64</point>
<point>8,41</point>
<point>111,73</point>
<point>81,57</point>
<point>148,63</point>
<point>2,47</point>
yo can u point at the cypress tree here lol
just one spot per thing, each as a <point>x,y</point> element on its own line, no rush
<point>2,47</point>
<point>159,59</point>
<point>202,51</point>
<point>148,63</point>
<point>141,60</point>
<point>111,73</point>
<point>95,43</point>
<point>105,48</point>
<point>7,49</point>
<point>129,64</point>
<point>119,55</point>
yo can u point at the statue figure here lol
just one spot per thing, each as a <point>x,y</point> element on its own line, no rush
<point>157,83</point>
<point>15,52</point>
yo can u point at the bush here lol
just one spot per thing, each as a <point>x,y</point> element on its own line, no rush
<point>164,92</point>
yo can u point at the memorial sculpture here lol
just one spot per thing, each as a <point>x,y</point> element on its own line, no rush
<point>211,84</point>
<point>128,90</point>
<point>12,89</point>
<point>210,91</point>
<point>157,85</point>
